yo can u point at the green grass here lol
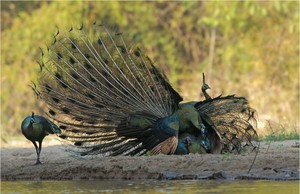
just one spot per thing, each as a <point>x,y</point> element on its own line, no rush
<point>281,136</point>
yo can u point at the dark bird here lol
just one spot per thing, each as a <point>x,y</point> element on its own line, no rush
<point>35,128</point>
<point>108,98</point>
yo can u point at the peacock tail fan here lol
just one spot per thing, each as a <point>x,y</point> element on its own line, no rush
<point>234,120</point>
<point>92,80</point>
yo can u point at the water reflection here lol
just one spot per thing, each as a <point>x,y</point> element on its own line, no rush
<point>120,186</point>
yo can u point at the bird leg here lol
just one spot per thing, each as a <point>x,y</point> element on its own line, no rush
<point>40,148</point>
<point>37,152</point>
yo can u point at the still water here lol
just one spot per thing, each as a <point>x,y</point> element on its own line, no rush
<point>186,186</point>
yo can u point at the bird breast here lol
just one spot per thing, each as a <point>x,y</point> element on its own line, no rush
<point>32,131</point>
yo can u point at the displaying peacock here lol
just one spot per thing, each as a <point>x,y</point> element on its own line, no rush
<point>108,98</point>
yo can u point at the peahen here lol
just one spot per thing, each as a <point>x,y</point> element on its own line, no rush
<point>36,128</point>
<point>108,98</point>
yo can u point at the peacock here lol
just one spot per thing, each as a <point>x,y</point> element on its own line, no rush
<point>107,97</point>
<point>36,128</point>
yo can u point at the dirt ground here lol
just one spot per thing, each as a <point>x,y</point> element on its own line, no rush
<point>279,162</point>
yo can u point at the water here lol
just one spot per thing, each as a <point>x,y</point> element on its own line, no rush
<point>186,186</point>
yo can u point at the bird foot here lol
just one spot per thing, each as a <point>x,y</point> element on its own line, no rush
<point>38,162</point>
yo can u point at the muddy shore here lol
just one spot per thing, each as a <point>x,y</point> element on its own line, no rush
<point>278,162</point>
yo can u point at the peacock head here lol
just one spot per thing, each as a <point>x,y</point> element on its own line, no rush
<point>205,86</point>
<point>32,119</point>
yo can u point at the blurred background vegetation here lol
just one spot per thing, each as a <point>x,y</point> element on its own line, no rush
<point>249,48</point>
